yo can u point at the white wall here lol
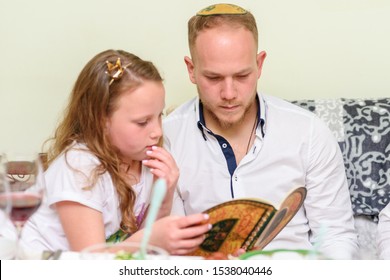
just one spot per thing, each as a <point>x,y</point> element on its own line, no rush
<point>316,49</point>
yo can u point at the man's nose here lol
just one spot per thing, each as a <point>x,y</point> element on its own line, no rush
<point>228,90</point>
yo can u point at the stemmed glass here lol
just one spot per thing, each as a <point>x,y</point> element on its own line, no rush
<point>5,202</point>
<point>26,189</point>
<point>7,244</point>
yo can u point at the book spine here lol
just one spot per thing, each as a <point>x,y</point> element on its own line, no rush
<point>257,230</point>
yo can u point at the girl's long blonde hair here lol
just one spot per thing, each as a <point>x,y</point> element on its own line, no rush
<point>93,100</point>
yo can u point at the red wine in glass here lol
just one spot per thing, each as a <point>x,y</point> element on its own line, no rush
<point>23,205</point>
<point>26,190</point>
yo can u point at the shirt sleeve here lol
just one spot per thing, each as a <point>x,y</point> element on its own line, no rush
<point>383,235</point>
<point>328,205</point>
<point>69,179</point>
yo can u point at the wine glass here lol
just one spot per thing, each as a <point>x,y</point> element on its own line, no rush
<point>7,242</point>
<point>5,202</point>
<point>26,188</point>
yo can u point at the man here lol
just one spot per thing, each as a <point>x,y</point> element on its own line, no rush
<point>232,142</point>
<point>383,234</point>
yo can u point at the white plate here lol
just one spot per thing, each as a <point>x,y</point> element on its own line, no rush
<point>76,256</point>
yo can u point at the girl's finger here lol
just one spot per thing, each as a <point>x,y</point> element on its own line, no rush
<point>159,153</point>
<point>196,230</point>
<point>194,219</point>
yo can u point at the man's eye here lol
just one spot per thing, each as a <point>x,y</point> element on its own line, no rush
<point>242,76</point>
<point>213,78</point>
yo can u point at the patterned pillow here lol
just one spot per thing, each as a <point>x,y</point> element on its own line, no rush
<point>362,129</point>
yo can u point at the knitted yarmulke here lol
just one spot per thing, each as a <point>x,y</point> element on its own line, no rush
<point>222,9</point>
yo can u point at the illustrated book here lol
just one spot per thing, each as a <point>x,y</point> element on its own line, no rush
<point>247,223</point>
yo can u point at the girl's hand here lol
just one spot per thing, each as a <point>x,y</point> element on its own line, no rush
<point>180,235</point>
<point>163,165</point>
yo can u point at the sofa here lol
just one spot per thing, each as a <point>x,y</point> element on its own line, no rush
<point>362,129</point>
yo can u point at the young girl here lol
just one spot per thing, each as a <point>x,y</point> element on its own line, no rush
<point>106,154</point>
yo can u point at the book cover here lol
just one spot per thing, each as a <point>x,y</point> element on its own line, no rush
<point>247,223</point>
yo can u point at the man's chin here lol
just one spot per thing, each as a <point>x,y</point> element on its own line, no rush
<point>226,120</point>
<point>227,123</point>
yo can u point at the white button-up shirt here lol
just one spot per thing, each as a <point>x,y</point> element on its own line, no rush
<point>383,238</point>
<point>292,148</point>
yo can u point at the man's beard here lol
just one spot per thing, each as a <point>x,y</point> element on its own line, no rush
<point>225,124</point>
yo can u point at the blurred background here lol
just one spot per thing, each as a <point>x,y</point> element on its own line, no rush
<point>316,49</point>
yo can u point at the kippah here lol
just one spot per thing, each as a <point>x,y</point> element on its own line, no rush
<point>222,9</point>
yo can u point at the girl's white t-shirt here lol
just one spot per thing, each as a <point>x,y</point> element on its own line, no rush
<point>68,179</point>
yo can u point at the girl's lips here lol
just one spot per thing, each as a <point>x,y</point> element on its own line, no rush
<point>150,147</point>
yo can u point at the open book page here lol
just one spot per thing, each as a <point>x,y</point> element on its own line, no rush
<point>236,224</point>
<point>239,223</point>
<point>286,212</point>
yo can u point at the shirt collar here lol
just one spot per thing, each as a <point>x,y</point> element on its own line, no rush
<point>262,112</point>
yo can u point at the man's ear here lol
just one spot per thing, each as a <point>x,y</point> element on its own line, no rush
<point>190,69</point>
<point>260,60</point>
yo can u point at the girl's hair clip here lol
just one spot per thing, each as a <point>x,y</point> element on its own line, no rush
<point>115,71</point>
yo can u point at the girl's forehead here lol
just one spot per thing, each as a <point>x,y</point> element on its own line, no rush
<point>148,97</point>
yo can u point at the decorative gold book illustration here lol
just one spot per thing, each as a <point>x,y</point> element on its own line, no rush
<point>247,223</point>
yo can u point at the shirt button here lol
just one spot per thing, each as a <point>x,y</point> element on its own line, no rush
<point>224,145</point>
<point>235,178</point>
